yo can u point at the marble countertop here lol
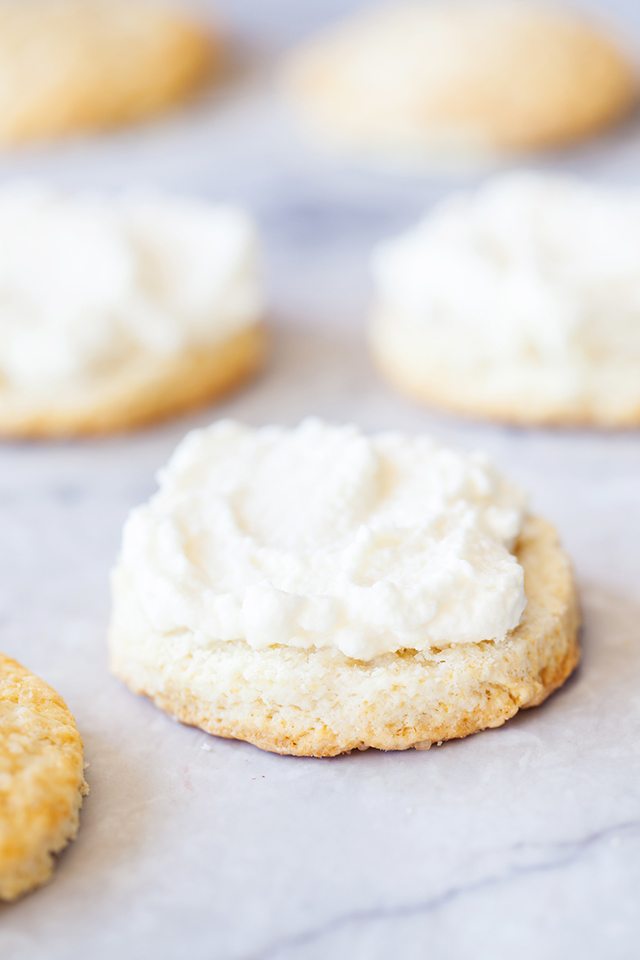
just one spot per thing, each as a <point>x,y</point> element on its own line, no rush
<point>519,841</point>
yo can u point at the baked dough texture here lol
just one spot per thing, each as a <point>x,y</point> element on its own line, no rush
<point>41,779</point>
<point>608,398</point>
<point>148,388</point>
<point>472,77</point>
<point>68,66</point>
<point>321,703</point>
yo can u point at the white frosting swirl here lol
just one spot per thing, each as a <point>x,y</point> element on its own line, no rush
<point>323,537</point>
<point>534,276</point>
<point>87,282</point>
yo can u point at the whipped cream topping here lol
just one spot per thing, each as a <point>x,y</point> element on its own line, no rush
<point>532,270</point>
<point>88,282</point>
<point>323,537</point>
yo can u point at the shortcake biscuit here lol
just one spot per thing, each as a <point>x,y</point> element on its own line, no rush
<point>315,591</point>
<point>41,779</point>
<point>117,312</point>
<point>519,303</point>
<point>479,78</point>
<point>68,66</point>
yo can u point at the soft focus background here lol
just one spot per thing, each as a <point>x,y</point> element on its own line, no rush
<point>524,840</point>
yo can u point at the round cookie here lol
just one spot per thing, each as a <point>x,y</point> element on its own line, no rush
<point>507,304</point>
<point>143,306</point>
<point>310,698</point>
<point>68,66</point>
<point>41,779</point>
<point>477,78</point>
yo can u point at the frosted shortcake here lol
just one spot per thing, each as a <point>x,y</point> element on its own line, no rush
<point>477,79</point>
<point>41,779</point>
<point>119,311</point>
<point>316,591</point>
<point>519,303</point>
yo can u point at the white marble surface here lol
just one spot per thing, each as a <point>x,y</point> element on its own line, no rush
<point>524,840</point>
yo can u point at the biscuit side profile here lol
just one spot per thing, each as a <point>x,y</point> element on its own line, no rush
<point>100,63</point>
<point>146,390</point>
<point>41,779</point>
<point>605,405</point>
<point>471,78</point>
<point>319,702</point>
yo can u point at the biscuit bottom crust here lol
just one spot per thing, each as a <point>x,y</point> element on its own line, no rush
<point>321,703</point>
<point>602,405</point>
<point>41,779</point>
<point>147,389</point>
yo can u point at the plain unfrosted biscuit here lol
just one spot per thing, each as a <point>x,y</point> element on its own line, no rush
<point>488,76</point>
<point>321,703</point>
<point>68,66</point>
<point>147,389</point>
<point>479,394</point>
<point>41,779</point>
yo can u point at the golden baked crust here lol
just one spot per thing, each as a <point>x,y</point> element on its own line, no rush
<point>147,389</point>
<point>490,76</point>
<point>321,703</point>
<point>603,407</point>
<point>77,65</point>
<point>41,779</point>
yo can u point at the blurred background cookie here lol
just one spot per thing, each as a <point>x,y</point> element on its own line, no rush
<point>69,66</point>
<point>115,312</point>
<point>513,304</point>
<point>479,77</point>
<point>41,779</point>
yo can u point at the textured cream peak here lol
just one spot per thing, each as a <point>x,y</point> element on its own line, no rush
<point>323,537</point>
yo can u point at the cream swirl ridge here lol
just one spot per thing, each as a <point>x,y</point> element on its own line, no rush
<point>323,537</point>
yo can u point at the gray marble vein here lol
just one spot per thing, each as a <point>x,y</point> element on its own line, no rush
<point>518,861</point>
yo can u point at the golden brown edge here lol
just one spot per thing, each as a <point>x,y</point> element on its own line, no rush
<point>20,875</point>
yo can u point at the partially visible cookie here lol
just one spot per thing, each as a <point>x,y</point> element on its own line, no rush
<point>472,77</point>
<point>517,303</point>
<point>69,66</point>
<point>41,779</point>
<point>117,312</point>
